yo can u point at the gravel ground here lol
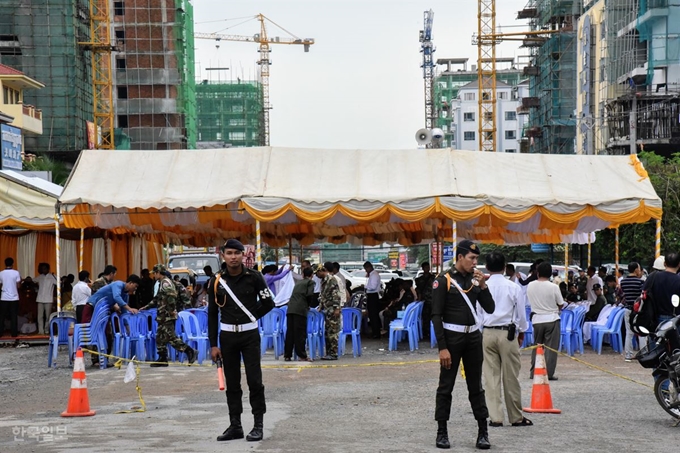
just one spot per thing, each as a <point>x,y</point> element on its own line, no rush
<point>380,402</point>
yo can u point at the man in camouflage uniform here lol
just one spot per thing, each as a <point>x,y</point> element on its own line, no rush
<point>166,302</point>
<point>424,289</point>
<point>329,304</point>
<point>107,277</point>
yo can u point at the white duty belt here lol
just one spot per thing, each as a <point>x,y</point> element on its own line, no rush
<point>238,327</point>
<point>460,328</point>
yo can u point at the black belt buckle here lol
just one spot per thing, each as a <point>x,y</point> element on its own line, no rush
<point>467,329</point>
<point>237,328</point>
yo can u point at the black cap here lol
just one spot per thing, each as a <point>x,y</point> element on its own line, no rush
<point>233,244</point>
<point>467,246</point>
<point>597,286</point>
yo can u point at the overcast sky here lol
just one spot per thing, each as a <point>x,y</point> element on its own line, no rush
<point>360,85</point>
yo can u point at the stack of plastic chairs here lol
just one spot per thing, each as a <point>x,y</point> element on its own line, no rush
<point>407,325</point>
<point>284,309</point>
<point>272,332</point>
<point>433,337</point>
<point>321,335</point>
<point>93,333</point>
<point>419,318</point>
<point>566,321</point>
<point>150,340</point>
<point>119,335</point>
<point>313,335</point>
<point>202,316</point>
<point>193,336</point>
<point>612,328</point>
<point>351,327</point>
<point>59,327</point>
<point>577,328</point>
<point>135,342</point>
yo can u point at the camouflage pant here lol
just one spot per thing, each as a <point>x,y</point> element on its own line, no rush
<point>165,335</point>
<point>332,331</point>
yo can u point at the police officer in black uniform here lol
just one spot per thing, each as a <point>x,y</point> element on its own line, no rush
<point>239,335</point>
<point>459,337</point>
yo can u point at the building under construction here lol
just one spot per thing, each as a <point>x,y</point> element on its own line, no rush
<point>229,113</point>
<point>551,103</point>
<point>643,75</point>
<point>40,38</point>
<point>152,61</point>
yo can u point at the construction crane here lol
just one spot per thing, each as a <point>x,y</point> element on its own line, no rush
<point>264,61</point>
<point>102,82</point>
<point>486,39</point>
<point>427,48</point>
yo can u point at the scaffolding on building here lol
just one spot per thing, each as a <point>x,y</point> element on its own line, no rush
<point>642,53</point>
<point>154,73</point>
<point>41,40</point>
<point>553,74</point>
<point>229,113</point>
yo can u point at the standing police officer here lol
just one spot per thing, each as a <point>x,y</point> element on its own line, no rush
<point>454,298</point>
<point>237,298</point>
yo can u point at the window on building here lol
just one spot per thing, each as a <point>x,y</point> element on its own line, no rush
<point>237,108</point>
<point>10,95</point>
<point>237,135</point>
<point>120,36</point>
<point>237,122</point>
<point>510,135</point>
<point>510,116</point>
<point>123,121</point>
<point>119,8</point>
<point>218,135</point>
<point>469,116</point>
<point>488,135</point>
<point>510,150</point>
<point>122,93</point>
<point>488,116</point>
<point>218,122</point>
<point>486,96</point>
<point>502,95</point>
<point>121,64</point>
<point>469,96</point>
<point>469,136</point>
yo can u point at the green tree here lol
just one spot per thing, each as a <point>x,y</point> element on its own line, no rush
<point>637,240</point>
<point>60,172</point>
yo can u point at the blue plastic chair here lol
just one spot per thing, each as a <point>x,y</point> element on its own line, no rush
<point>135,343</point>
<point>321,320</point>
<point>119,335</point>
<point>202,316</point>
<point>419,318</point>
<point>407,325</point>
<point>59,327</point>
<point>566,320</point>
<point>351,326</point>
<point>577,329</point>
<point>612,328</point>
<point>284,309</point>
<point>433,337</point>
<point>193,336</point>
<point>313,335</point>
<point>272,329</point>
<point>150,340</point>
<point>93,332</point>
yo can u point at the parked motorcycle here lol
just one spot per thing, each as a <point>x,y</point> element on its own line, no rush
<point>662,353</point>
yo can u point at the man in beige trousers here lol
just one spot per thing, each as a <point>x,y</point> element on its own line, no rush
<point>502,336</point>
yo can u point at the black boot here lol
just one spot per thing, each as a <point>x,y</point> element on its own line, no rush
<point>191,355</point>
<point>483,435</point>
<point>256,433</point>
<point>162,360</point>
<point>235,430</point>
<point>442,435</point>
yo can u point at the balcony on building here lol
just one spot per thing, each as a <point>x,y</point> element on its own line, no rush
<point>529,12</point>
<point>530,102</point>
<point>13,82</point>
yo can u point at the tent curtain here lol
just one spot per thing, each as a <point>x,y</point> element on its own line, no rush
<point>45,252</point>
<point>120,247</point>
<point>136,244</point>
<point>9,246</point>
<point>98,257</point>
<point>27,248</point>
<point>68,257</point>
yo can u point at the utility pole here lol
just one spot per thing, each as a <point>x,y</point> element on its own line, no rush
<point>633,125</point>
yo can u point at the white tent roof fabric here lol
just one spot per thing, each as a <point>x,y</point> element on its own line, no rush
<point>27,202</point>
<point>354,194</point>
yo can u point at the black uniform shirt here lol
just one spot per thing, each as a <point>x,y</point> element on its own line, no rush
<point>249,287</point>
<point>450,307</point>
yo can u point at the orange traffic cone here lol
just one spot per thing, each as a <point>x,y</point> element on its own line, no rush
<point>78,401</point>
<point>541,401</point>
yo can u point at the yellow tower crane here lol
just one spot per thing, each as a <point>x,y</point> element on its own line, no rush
<point>102,83</point>
<point>486,39</point>
<point>264,61</point>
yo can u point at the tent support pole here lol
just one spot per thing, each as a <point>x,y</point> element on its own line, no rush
<point>589,249</point>
<point>657,242</point>
<point>455,239</point>
<point>82,247</point>
<point>259,245</point>
<point>616,251</point>
<point>290,250</point>
<point>57,249</point>
<point>566,260</point>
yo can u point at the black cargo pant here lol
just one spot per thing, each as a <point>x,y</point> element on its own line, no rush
<point>296,336</point>
<point>9,309</point>
<point>373,306</point>
<point>466,346</point>
<point>235,345</point>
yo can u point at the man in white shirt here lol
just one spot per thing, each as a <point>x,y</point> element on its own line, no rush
<point>10,280</point>
<point>81,292</point>
<point>342,283</point>
<point>46,283</point>
<point>502,335</point>
<point>593,278</point>
<point>546,301</point>
<point>373,298</point>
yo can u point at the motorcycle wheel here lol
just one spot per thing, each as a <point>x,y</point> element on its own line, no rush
<point>663,396</point>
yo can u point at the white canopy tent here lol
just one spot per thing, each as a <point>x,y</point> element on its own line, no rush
<point>200,197</point>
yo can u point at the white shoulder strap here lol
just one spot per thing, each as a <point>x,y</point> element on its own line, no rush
<point>467,299</point>
<point>238,302</point>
